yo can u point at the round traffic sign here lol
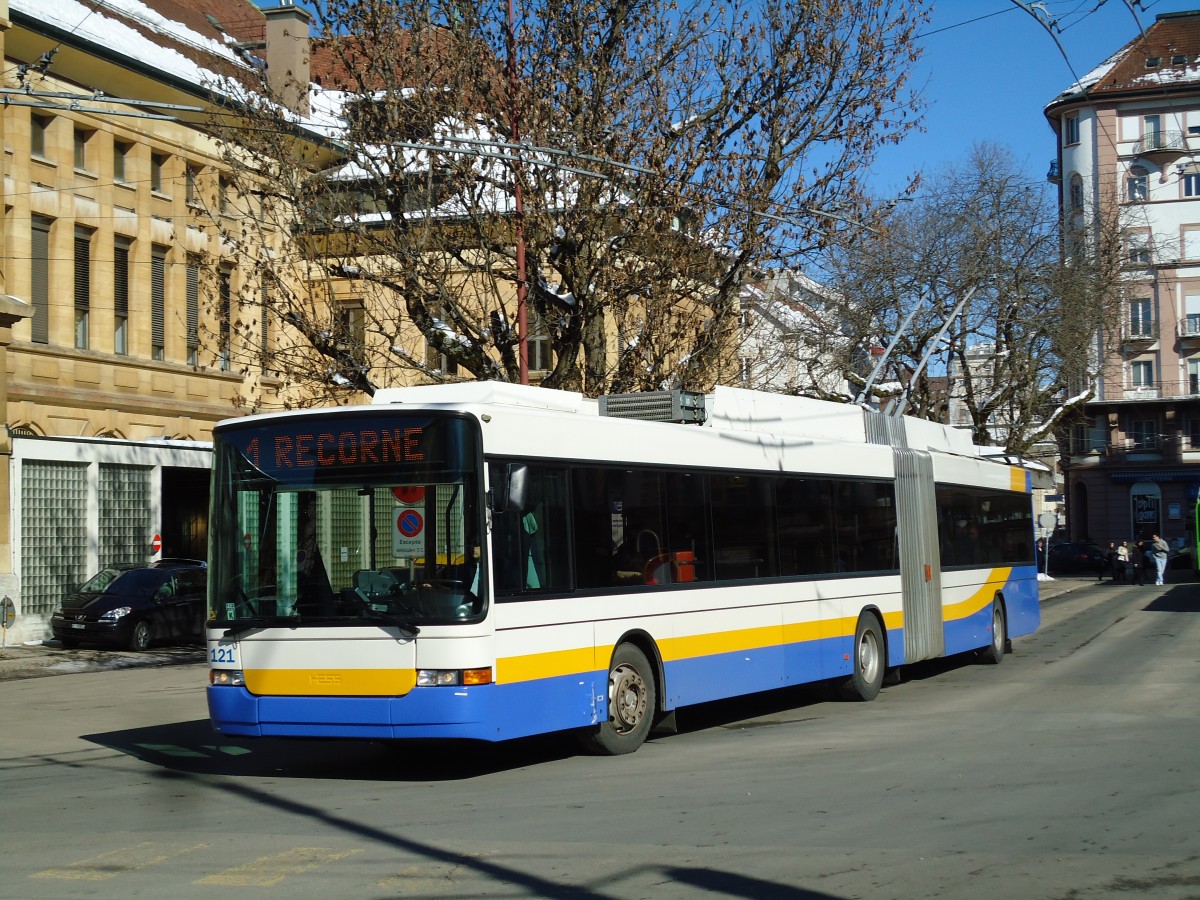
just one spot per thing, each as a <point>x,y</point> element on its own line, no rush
<point>156,543</point>
<point>409,494</point>
<point>409,523</point>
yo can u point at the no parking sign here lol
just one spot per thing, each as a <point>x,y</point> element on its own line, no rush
<point>408,523</point>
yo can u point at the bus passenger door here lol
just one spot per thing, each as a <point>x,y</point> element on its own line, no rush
<point>920,559</point>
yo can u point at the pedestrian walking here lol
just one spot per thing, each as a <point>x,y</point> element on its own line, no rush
<point>1110,562</point>
<point>1161,550</point>
<point>1137,562</point>
<point>1122,562</point>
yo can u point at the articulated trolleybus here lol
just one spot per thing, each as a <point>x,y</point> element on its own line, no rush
<point>488,561</point>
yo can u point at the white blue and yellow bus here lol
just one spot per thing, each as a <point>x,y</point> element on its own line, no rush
<point>489,561</point>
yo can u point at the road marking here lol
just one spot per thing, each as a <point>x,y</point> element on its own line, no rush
<point>270,870</point>
<point>118,862</point>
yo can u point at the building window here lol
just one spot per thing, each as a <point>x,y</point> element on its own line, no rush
<point>1071,130</point>
<point>264,331</point>
<point>1192,433</point>
<point>121,246</point>
<point>1143,434</point>
<point>38,127</point>
<point>1141,318</point>
<point>1190,326</point>
<point>158,302</point>
<point>83,285</point>
<point>1191,185</point>
<point>82,136</point>
<point>1138,249</point>
<point>1193,376</point>
<point>39,293</point>
<point>1152,136</point>
<point>434,358</point>
<point>1137,184</point>
<point>541,358</point>
<point>1141,373</point>
<point>351,325</point>
<point>120,158</point>
<point>193,311</point>
<point>190,194</point>
<point>225,324</point>
<point>1190,248</point>
<point>1076,191</point>
<point>158,162</point>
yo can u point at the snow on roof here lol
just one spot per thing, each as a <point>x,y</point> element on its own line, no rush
<point>95,23</point>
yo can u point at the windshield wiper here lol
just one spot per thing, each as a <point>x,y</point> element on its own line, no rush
<point>407,628</point>
<point>243,625</point>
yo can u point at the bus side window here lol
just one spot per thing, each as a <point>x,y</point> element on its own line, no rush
<point>529,543</point>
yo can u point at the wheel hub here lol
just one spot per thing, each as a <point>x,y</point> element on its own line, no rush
<point>627,699</point>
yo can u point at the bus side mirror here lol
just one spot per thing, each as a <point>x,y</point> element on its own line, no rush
<point>512,490</point>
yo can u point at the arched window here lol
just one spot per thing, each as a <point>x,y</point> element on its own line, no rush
<point>1076,198</point>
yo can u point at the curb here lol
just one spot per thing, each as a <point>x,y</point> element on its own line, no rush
<point>49,658</point>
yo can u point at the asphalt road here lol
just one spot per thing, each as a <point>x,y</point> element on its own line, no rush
<point>1067,772</point>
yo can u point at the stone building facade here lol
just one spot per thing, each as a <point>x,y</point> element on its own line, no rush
<point>114,334</point>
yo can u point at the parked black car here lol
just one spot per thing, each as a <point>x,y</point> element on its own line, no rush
<point>132,605</point>
<point>1075,559</point>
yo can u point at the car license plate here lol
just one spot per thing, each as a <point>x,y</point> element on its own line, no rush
<point>78,625</point>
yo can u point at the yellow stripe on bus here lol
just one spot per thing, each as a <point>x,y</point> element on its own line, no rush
<point>532,666</point>
<point>1019,480</point>
<point>331,682</point>
<point>983,596</point>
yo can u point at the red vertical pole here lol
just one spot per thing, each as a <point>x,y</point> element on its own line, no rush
<point>518,200</point>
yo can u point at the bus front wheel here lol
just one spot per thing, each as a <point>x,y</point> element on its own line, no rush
<point>868,661</point>
<point>632,703</point>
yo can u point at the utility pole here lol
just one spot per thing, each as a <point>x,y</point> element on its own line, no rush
<point>518,200</point>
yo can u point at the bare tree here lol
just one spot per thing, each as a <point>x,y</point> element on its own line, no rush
<point>1006,312</point>
<point>646,156</point>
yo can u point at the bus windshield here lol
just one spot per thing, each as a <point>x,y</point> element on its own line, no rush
<point>346,519</point>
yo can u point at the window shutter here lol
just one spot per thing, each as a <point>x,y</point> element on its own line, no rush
<point>121,276</point>
<point>193,307</point>
<point>83,269</point>
<point>40,288</point>
<point>158,278</point>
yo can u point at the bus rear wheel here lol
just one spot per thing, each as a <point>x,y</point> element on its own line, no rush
<point>632,702</point>
<point>869,661</point>
<point>993,653</point>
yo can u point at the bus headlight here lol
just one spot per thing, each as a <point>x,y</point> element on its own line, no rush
<point>226,677</point>
<point>452,677</point>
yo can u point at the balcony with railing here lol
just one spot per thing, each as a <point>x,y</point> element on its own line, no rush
<point>1185,389</point>
<point>1189,327</point>
<point>1160,144</point>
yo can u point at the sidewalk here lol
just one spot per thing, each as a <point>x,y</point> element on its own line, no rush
<point>38,660</point>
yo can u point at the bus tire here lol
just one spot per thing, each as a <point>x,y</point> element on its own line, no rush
<point>868,660</point>
<point>993,653</point>
<point>632,703</point>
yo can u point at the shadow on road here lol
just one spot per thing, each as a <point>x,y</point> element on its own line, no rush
<point>194,748</point>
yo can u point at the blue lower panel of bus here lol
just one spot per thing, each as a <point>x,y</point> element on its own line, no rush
<point>504,711</point>
<point>500,712</point>
<point>705,678</point>
<point>487,712</point>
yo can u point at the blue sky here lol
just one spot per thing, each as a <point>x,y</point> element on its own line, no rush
<point>989,68</point>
